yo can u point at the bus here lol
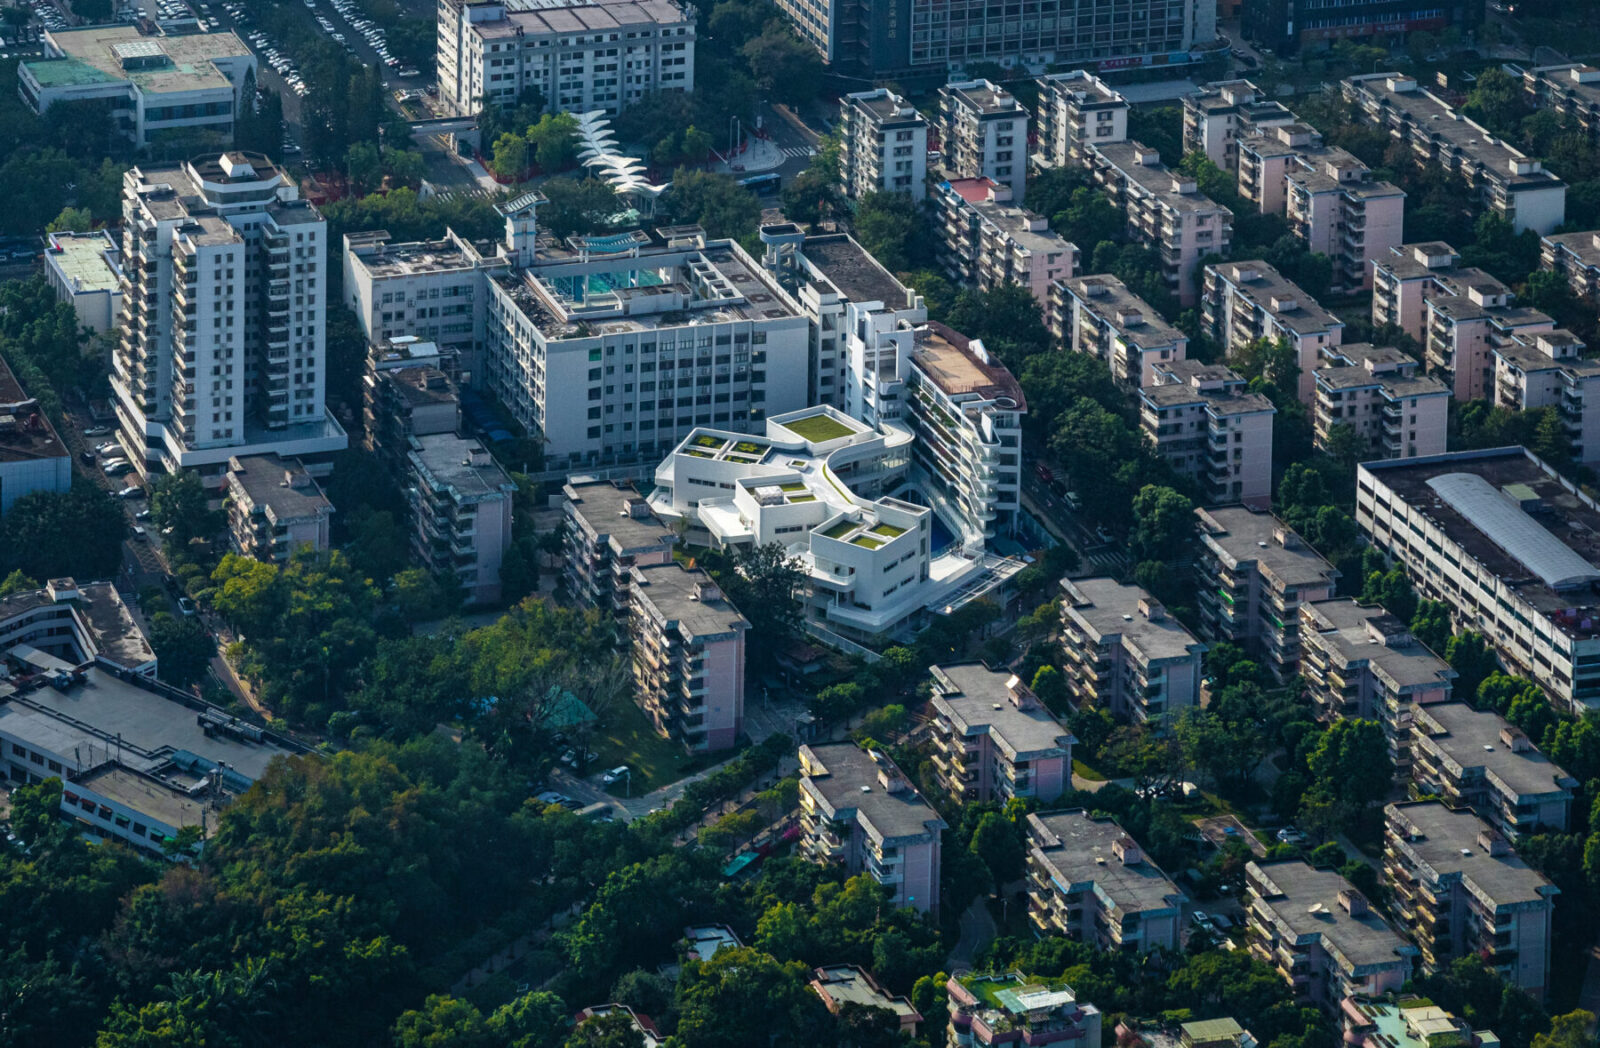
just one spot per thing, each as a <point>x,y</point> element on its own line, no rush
<point>763,185</point>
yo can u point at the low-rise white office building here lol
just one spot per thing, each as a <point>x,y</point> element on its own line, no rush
<point>85,270</point>
<point>154,86</point>
<point>581,55</point>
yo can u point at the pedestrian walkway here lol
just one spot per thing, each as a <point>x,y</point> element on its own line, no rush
<point>758,155</point>
<point>977,931</point>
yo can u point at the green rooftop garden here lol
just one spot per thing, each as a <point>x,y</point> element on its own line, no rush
<point>819,428</point>
<point>697,453</point>
<point>802,498</point>
<point>706,440</point>
<point>888,531</point>
<point>866,541</point>
<point>748,447</point>
<point>840,529</point>
<point>793,485</point>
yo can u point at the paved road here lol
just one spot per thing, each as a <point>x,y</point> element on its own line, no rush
<point>977,931</point>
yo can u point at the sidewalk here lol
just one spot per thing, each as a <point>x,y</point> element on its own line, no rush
<point>760,154</point>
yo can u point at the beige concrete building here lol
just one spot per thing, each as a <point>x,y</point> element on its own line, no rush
<point>1122,652</point>
<point>1338,209</point>
<point>1099,315</point>
<point>1361,661</point>
<point>1505,181</point>
<point>1403,282</point>
<point>1464,330</point>
<point>275,508</point>
<point>1255,573</point>
<point>1207,425</point>
<point>1377,393</point>
<point>858,811</point>
<point>1570,90</point>
<point>688,656</point>
<point>1165,210</point>
<point>1090,881</point>
<point>1246,301</point>
<point>1461,891</point>
<point>85,270</point>
<point>1475,759</point>
<point>988,241</point>
<point>983,131</point>
<point>1321,934</point>
<point>993,740</point>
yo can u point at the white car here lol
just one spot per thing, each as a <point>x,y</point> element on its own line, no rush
<point>97,431</point>
<point>616,775</point>
<point>116,467</point>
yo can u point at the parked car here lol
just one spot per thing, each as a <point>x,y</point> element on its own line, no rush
<point>139,532</point>
<point>186,606</point>
<point>143,514</point>
<point>1290,835</point>
<point>616,775</point>
<point>116,467</point>
<point>1202,919</point>
<point>132,491</point>
<point>108,447</point>
<point>1102,533</point>
<point>97,431</point>
<point>552,797</point>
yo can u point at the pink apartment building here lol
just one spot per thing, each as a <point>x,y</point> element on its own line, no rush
<point>1203,420</point>
<point>1090,881</point>
<point>858,811</point>
<point>989,241</point>
<point>1377,392</point>
<point>993,739</point>
<point>688,656</point>
<point>609,529</point>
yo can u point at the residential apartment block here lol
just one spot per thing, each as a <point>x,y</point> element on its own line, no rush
<point>32,455</point>
<point>1403,282</point>
<point>857,810</point>
<point>1012,1009</point>
<point>1125,654</point>
<point>1255,573</point>
<point>1321,934</point>
<point>85,271</point>
<point>688,656</point>
<point>1220,113</point>
<point>1206,424</point>
<point>1165,211</point>
<point>983,131</point>
<point>153,86</point>
<point>1099,315</point>
<point>222,350</point>
<point>1375,392</point>
<point>1506,182</point>
<point>1245,301</point>
<point>1077,109</point>
<point>1360,661</point>
<point>1461,891</point>
<point>1464,330</point>
<point>581,55</point>
<point>1090,881</point>
<point>883,145</point>
<point>994,740</point>
<point>609,529</point>
<point>460,502</point>
<point>1508,545</point>
<point>1338,209</point>
<point>405,393</point>
<point>275,508</point>
<point>1475,759</point>
<point>987,241</point>
<point>1547,369</point>
<point>1570,90</point>
<point>1575,256</point>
